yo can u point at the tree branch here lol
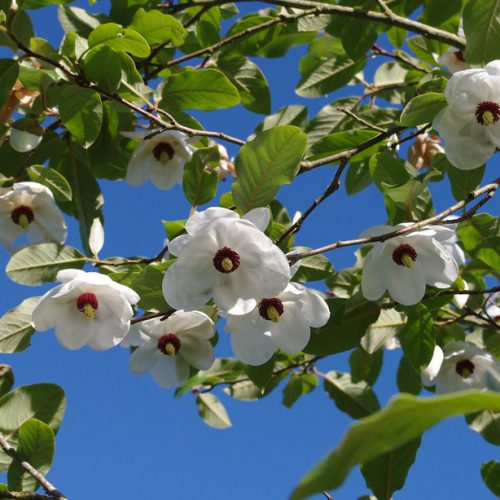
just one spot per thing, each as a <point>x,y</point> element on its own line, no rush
<point>51,490</point>
<point>391,19</point>
<point>488,190</point>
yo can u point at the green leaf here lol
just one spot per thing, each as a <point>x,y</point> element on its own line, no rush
<point>348,323</point>
<point>250,82</point>
<point>365,366</point>
<point>148,286</point>
<point>38,264</point>
<point>380,433</point>
<point>316,267</point>
<point>199,183</point>
<point>382,331</point>
<point>52,179</point>
<point>264,164</point>
<point>288,115</point>
<point>6,379</point>
<point>205,90</point>
<point>245,390</point>
<point>422,109</point>
<point>387,171</point>
<point>158,28</point>
<point>102,65</point>
<point>81,113</point>
<point>298,385</point>
<point>9,70</point>
<point>45,402</point>
<point>16,328</point>
<point>487,423</point>
<point>490,472</point>
<point>358,177</point>
<point>417,338</point>
<point>482,30</point>
<point>408,377</point>
<point>38,4</point>
<point>74,19</point>
<point>355,399</point>
<point>36,446</point>
<point>260,375</point>
<point>325,68</point>
<point>212,411</point>
<point>343,141</point>
<point>462,182</point>
<point>480,236</point>
<point>121,39</point>
<point>387,473</point>
<point>174,228</point>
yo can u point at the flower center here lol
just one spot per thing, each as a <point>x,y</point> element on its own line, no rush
<point>226,260</point>
<point>404,255</point>
<point>271,309</point>
<point>487,113</point>
<point>88,304</point>
<point>465,368</point>
<point>22,216</point>
<point>169,344</point>
<point>459,56</point>
<point>163,152</point>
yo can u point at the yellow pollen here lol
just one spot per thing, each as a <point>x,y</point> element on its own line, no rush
<point>169,349</point>
<point>88,311</point>
<point>227,264</point>
<point>273,314</point>
<point>164,157</point>
<point>488,118</point>
<point>407,260</point>
<point>23,221</point>
<point>465,373</point>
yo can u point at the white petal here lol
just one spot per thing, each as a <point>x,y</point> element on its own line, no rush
<point>438,266</point>
<point>69,274</point>
<point>191,323</point>
<point>50,221</point>
<point>315,309</point>
<point>374,277</point>
<point>73,329</point>
<point>170,371</point>
<point>430,372</point>
<point>23,141</point>
<point>96,238</point>
<point>46,311</point>
<point>165,176</point>
<point>291,333</point>
<point>406,286</point>
<point>251,340</point>
<point>197,352</point>
<point>9,232</point>
<point>468,153</point>
<point>260,217</point>
<point>144,358</point>
<point>176,246</point>
<point>377,231</point>
<point>199,220</point>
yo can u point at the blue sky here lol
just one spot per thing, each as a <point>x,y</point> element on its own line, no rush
<point>125,438</point>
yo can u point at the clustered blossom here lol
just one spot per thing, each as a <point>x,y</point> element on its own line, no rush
<point>170,347</point>
<point>405,264</point>
<point>461,366</point>
<point>86,309</point>
<point>160,158</point>
<point>470,124</point>
<point>29,208</point>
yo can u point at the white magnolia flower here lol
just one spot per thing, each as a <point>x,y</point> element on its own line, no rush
<point>460,367</point>
<point>403,265</point>
<point>284,321</point>
<point>227,258</point>
<point>161,158</point>
<point>29,208</point>
<point>447,236</point>
<point>173,345</point>
<point>136,336</point>
<point>423,150</point>
<point>470,124</point>
<point>87,308</point>
<point>453,58</point>
<point>493,311</point>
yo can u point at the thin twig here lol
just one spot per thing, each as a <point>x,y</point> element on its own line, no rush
<point>51,490</point>
<point>357,118</point>
<point>164,315</point>
<point>488,190</point>
<point>398,57</point>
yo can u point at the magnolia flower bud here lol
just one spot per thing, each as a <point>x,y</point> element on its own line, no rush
<point>423,150</point>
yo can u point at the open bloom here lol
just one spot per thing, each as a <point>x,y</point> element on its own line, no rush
<point>404,265</point>
<point>284,321</point>
<point>227,258</point>
<point>87,308</point>
<point>453,58</point>
<point>173,345</point>
<point>470,124</point>
<point>29,208</point>
<point>160,158</point>
<point>461,366</point>
<point>423,150</point>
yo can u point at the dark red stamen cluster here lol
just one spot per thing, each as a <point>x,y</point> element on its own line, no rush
<point>266,303</point>
<point>459,56</point>
<point>465,368</point>
<point>490,106</point>
<point>401,251</point>
<point>226,253</point>
<point>163,147</point>
<point>169,338</point>
<point>87,298</point>
<point>22,210</point>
